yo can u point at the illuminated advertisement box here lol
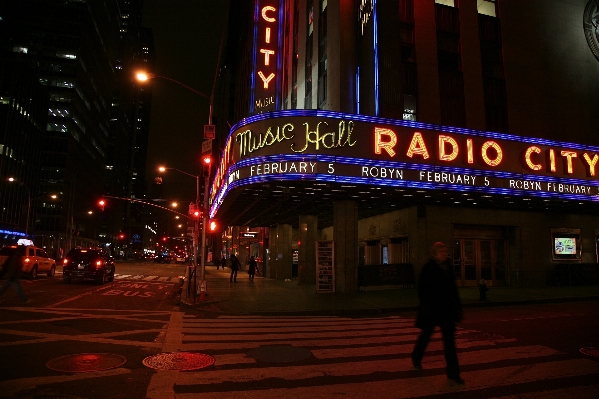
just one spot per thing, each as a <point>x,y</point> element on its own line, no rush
<point>327,146</point>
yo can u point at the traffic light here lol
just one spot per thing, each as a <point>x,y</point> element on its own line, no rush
<point>101,204</point>
<point>164,239</point>
<point>121,236</point>
<point>206,159</point>
<point>212,225</point>
<point>193,212</point>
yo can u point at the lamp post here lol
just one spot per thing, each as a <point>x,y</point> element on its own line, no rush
<point>29,200</point>
<point>143,77</point>
<point>195,229</point>
<point>73,226</point>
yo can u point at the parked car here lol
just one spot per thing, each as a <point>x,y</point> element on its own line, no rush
<point>35,260</point>
<point>164,258</point>
<point>88,264</point>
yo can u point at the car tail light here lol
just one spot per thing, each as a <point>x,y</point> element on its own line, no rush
<point>65,261</point>
<point>98,264</point>
<point>27,260</point>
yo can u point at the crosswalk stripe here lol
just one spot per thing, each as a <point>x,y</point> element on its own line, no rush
<point>299,385</point>
<point>356,357</point>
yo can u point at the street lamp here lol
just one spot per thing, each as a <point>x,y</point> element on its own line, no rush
<point>29,199</point>
<point>195,229</point>
<point>144,77</point>
<point>71,230</point>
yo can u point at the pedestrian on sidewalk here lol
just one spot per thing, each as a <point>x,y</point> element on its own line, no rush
<point>13,271</point>
<point>223,262</point>
<point>235,266</point>
<point>439,306</point>
<point>252,266</point>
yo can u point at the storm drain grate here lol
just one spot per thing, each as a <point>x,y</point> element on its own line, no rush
<point>279,354</point>
<point>178,361</point>
<point>589,351</point>
<point>86,362</point>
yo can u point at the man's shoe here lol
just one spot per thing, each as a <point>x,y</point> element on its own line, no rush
<point>417,366</point>
<point>456,380</point>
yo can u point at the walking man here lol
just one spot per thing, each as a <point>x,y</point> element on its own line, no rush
<point>13,272</point>
<point>439,306</point>
<point>235,266</point>
<point>252,266</point>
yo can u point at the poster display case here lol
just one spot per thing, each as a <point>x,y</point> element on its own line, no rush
<point>325,266</point>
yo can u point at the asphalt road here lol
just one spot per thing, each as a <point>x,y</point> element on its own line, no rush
<point>84,340</point>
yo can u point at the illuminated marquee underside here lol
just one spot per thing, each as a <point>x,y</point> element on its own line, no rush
<point>323,146</point>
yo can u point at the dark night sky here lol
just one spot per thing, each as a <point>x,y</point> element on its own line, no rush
<point>187,36</point>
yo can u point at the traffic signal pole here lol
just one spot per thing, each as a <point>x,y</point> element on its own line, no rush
<point>195,241</point>
<point>204,227</point>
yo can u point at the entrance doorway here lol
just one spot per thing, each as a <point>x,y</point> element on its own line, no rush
<point>479,258</point>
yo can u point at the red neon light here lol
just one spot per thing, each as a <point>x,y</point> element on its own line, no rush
<point>388,145</point>
<point>266,17</point>
<point>470,150</point>
<point>569,155</point>
<point>591,162</point>
<point>417,146</point>
<point>443,140</point>
<point>267,54</point>
<point>265,79</point>
<point>529,162</point>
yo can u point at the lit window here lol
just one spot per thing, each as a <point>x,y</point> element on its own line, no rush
<point>487,7</point>
<point>450,3</point>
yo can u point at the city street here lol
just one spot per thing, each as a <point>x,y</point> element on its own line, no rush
<point>104,333</point>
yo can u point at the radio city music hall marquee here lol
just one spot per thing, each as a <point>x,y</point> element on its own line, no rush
<point>266,79</point>
<point>327,146</point>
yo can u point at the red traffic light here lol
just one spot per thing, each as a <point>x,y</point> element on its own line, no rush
<point>212,225</point>
<point>206,159</point>
<point>164,238</point>
<point>121,236</point>
<point>101,204</point>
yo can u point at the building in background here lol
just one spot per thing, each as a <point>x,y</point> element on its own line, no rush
<point>384,126</point>
<point>82,53</point>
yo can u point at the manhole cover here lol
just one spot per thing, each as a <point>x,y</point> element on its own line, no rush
<point>279,354</point>
<point>590,351</point>
<point>178,361</point>
<point>479,336</point>
<point>86,362</point>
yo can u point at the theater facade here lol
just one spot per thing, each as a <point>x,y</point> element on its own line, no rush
<point>427,121</point>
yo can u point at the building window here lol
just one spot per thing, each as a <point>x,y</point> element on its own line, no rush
<point>493,77</point>
<point>322,54</point>
<point>451,80</point>
<point>449,3</point>
<point>487,7</point>
<point>309,54</point>
<point>409,107</point>
<point>295,55</point>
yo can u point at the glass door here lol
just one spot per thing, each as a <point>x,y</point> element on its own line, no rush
<point>476,259</point>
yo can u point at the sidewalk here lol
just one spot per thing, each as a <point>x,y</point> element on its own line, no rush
<point>265,296</point>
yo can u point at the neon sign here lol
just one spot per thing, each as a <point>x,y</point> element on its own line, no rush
<point>267,55</point>
<point>328,146</point>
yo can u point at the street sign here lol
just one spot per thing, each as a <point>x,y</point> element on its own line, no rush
<point>206,147</point>
<point>209,132</point>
